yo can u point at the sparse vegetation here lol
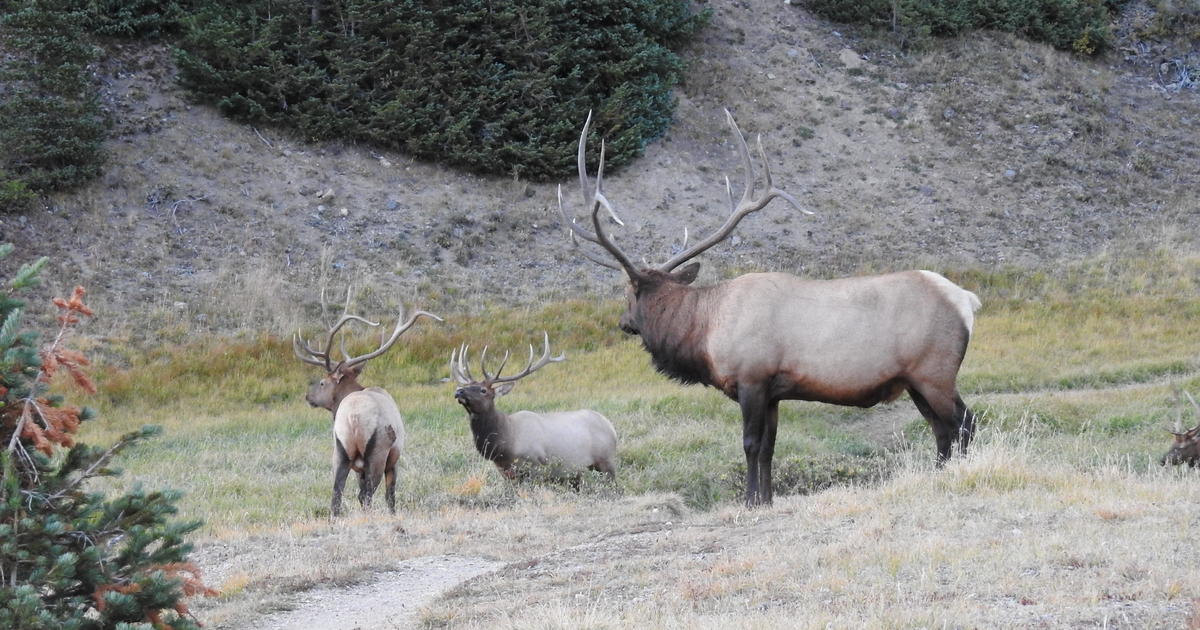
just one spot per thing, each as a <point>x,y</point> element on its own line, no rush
<point>1079,25</point>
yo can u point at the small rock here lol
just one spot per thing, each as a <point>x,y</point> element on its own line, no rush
<point>344,212</point>
<point>770,76</point>
<point>384,162</point>
<point>320,208</point>
<point>949,113</point>
<point>391,205</point>
<point>792,52</point>
<point>850,59</point>
<point>1010,173</point>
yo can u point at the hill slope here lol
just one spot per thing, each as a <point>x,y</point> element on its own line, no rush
<point>985,151</point>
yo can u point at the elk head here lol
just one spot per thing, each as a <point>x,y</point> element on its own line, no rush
<point>1186,449</point>
<point>342,378</point>
<point>479,397</point>
<point>648,281</point>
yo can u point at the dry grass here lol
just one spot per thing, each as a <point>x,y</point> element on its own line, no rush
<point>1059,517</point>
<point>1008,537</point>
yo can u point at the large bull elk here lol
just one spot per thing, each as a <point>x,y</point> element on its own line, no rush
<point>368,431</point>
<point>765,337</point>
<point>573,440</point>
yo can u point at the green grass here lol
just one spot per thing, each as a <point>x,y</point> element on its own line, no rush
<point>1070,356</point>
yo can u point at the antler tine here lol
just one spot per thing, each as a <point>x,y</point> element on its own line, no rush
<point>401,327</point>
<point>456,365</point>
<point>747,205</point>
<point>338,326</point>
<point>598,201</point>
<point>464,366</point>
<point>307,354</point>
<point>533,367</point>
<point>581,162</point>
<point>590,256</point>
<point>1196,429</point>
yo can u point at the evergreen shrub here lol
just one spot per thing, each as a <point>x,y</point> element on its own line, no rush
<point>51,124</point>
<point>71,559</point>
<point>492,87</point>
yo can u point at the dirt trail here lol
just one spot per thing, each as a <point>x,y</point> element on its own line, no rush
<point>393,600</point>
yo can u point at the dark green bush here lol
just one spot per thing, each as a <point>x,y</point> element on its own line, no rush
<point>142,19</point>
<point>51,126</point>
<point>1079,25</point>
<point>494,87</point>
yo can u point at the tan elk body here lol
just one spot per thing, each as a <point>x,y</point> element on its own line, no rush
<point>573,441</point>
<point>368,429</point>
<point>765,337</point>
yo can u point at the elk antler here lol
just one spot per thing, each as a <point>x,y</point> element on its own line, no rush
<point>321,358</point>
<point>738,211</point>
<point>462,374</point>
<point>307,354</point>
<point>598,201</point>
<point>531,367</point>
<point>744,207</point>
<point>401,327</point>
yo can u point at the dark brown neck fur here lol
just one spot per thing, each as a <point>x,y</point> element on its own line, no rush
<point>491,433</point>
<point>674,330</point>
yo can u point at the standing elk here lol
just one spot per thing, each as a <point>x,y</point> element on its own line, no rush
<point>368,432</point>
<point>1186,449</point>
<point>575,440</point>
<point>765,337</point>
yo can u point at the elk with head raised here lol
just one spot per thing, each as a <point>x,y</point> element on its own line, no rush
<point>368,431</point>
<point>765,337</point>
<point>1186,449</point>
<point>574,440</point>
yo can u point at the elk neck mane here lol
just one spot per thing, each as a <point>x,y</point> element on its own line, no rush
<point>674,330</point>
<point>490,431</point>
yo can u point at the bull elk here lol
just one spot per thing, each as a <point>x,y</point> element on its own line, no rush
<point>1186,449</point>
<point>765,337</point>
<point>368,431</point>
<point>574,440</point>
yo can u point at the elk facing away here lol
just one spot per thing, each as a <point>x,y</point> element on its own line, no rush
<point>368,432</point>
<point>765,337</point>
<point>574,440</point>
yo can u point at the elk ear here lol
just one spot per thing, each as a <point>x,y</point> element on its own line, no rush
<point>688,274</point>
<point>503,388</point>
<point>355,370</point>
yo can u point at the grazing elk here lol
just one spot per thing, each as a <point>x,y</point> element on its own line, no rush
<point>1186,449</point>
<point>765,337</point>
<point>575,440</point>
<point>368,432</point>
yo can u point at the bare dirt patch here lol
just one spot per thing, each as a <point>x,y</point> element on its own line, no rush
<point>392,599</point>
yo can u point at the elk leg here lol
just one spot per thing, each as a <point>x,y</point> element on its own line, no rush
<point>365,489</point>
<point>341,468</point>
<point>766,451</point>
<point>606,467</point>
<point>753,400</point>
<point>966,423</point>
<point>389,472</point>
<point>942,423</point>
